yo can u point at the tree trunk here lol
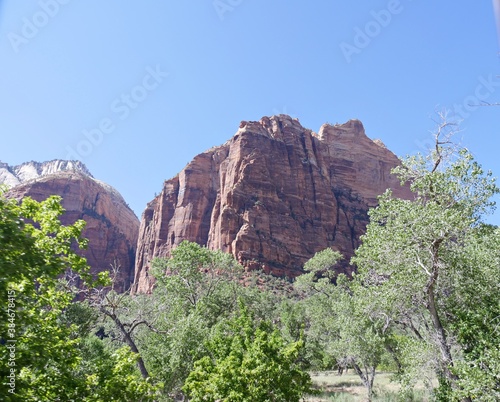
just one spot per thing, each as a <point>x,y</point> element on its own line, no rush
<point>436,321</point>
<point>130,342</point>
<point>441,336</point>
<point>371,378</point>
<point>394,355</point>
<point>366,378</point>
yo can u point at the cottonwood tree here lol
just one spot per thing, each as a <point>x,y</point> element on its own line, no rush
<point>195,289</point>
<point>418,262</point>
<point>337,320</point>
<point>196,278</point>
<point>475,314</point>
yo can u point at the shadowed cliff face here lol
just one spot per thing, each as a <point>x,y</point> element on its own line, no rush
<point>112,227</point>
<point>272,196</point>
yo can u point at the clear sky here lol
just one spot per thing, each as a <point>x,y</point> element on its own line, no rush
<point>136,89</point>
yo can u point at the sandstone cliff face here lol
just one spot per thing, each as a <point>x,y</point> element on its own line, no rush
<point>272,196</point>
<point>112,227</point>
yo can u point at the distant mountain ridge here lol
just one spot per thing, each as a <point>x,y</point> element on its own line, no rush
<point>112,227</point>
<point>15,175</point>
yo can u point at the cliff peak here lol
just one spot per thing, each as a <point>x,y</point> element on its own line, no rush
<point>275,127</point>
<point>272,196</point>
<point>15,175</point>
<point>334,132</point>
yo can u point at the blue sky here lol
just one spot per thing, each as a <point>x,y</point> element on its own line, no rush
<point>136,91</point>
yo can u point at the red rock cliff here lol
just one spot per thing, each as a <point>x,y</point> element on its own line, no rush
<point>273,195</point>
<point>112,227</point>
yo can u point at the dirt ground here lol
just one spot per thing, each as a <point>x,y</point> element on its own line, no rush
<point>349,388</point>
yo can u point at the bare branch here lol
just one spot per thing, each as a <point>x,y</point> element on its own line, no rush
<point>484,103</point>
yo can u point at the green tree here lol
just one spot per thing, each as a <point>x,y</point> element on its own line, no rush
<point>337,319</point>
<point>418,262</point>
<point>41,350</point>
<point>248,361</point>
<point>108,367</point>
<point>111,374</point>
<point>195,289</point>
<point>196,278</point>
<point>475,314</point>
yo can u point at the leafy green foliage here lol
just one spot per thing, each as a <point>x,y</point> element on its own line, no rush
<point>337,320</point>
<point>111,375</point>
<point>248,362</point>
<point>322,262</point>
<point>196,278</point>
<point>31,260</point>
<point>195,289</point>
<point>476,314</point>
<point>41,346</point>
<point>419,262</point>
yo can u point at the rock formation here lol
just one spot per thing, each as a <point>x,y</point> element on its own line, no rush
<point>272,196</point>
<point>112,227</point>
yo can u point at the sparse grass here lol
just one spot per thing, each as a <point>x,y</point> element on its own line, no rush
<point>349,388</point>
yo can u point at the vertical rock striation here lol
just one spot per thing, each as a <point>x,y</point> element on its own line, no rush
<point>272,196</point>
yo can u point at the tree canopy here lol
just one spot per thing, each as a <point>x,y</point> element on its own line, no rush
<point>45,354</point>
<point>428,266</point>
<point>248,361</point>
